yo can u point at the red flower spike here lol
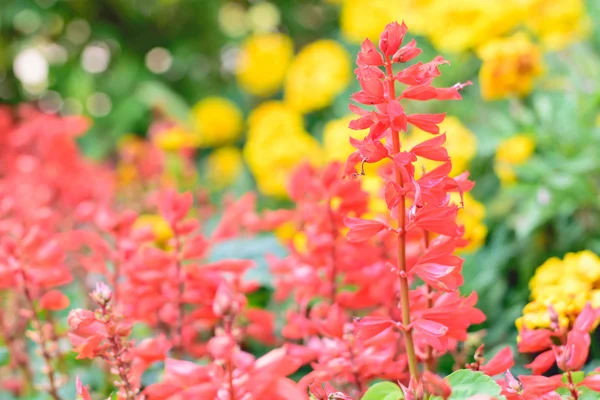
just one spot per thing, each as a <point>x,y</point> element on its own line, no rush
<point>391,38</point>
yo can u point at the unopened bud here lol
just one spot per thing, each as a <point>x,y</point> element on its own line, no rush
<point>554,318</point>
<point>513,383</point>
<point>478,356</point>
<point>102,294</point>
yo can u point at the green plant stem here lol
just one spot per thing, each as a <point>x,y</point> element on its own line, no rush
<point>39,328</point>
<point>404,287</point>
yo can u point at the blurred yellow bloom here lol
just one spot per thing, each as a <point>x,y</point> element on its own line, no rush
<point>174,139</point>
<point>223,166</point>
<point>567,285</point>
<point>461,144</point>
<point>558,23</point>
<point>510,66</point>
<point>274,117</point>
<point>277,143</point>
<point>216,121</point>
<point>336,138</point>
<point>472,22</point>
<point>512,152</point>
<point>263,63</point>
<point>157,225</point>
<point>471,216</point>
<point>317,75</point>
<point>360,19</point>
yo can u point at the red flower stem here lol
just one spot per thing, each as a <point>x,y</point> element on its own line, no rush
<point>355,373</point>
<point>228,325</point>
<point>429,361</point>
<point>15,353</point>
<point>178,334</point>
<point>117,349</point>
<point>37,325</point>
<point>572,387</point>
<point>404,287</point>
<point>333,253</point>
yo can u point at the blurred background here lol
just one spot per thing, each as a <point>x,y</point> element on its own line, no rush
<point>232,95</point>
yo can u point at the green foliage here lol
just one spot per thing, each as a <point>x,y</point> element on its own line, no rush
<point>384,391</point>
<point>466,383</point>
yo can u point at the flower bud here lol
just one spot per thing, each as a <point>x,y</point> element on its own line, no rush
<point>391,38</point>
<point>225,302</point>
<point>513,383</point>
<point>102,294</point>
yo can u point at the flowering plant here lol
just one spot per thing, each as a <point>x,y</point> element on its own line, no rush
<point>369,302</point>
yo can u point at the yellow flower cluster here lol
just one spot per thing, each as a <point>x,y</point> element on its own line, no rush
<point>567,285</point>
<point>513,152</point>
<point>277,143</point>
<point>473,22</point>
<point>558,23</point>
<point>223,166</point>
<point>174,139</point>
<point>510,66</point>
<point>216,121</point>
<point>320,72</point>
<point>263,63</point>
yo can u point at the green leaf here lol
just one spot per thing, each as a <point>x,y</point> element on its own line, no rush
<point>251,249</point>
<point>384,391</point>
<point>466,383</point>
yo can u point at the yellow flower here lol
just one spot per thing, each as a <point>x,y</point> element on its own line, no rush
<point>216,121</point>
<point>157,225</point>
<point>472,22</point>
<point>512,152</point>
<point>336,138</point>
<point>558,23</point>
<point>317,75</point>
<point>174,139</point>
<point>360,19</point>
<point>223,166</point>
<point>471,216</point>
<point>277,143</point>
<point>274,117</point>
<point>461,144</point>
<point>565,284</point>
<point>510,66</point>
<point>263,63</point>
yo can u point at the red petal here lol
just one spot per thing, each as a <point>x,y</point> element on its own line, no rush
<point>362,229</point>
<point>427,122</point>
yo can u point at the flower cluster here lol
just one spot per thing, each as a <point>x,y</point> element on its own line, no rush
<point>557,24</point>
<point>566,285</point>
<point>277,142</point>
<point>367,290</point>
